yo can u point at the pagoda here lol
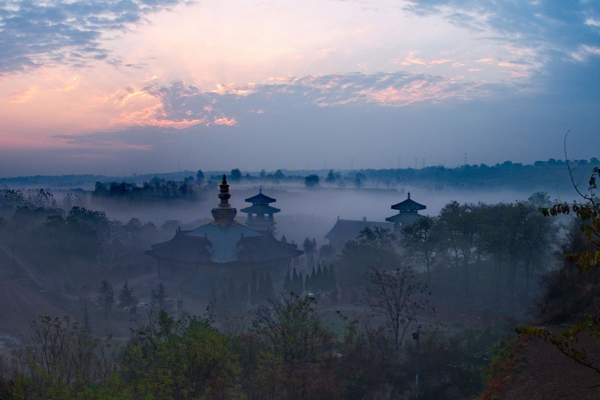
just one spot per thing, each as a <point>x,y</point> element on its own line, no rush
<point>408,213</point>
<point>221,249</point>
<point>260,213</point>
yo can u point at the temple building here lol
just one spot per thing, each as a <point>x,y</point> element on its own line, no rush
<point>346,230</point>
<point>408,213</point>
<point>222,249</point>
<point>260,213</point>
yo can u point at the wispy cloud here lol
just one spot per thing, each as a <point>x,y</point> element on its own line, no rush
<point>54,32</point>
<point>412,60</point>
<point>440,61</point>
<point>182,105</point>
<point>551,27</point>
<point>22,96</point>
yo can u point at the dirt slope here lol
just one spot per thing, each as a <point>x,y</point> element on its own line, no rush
<point>541,371</point>
<point>21,302</point>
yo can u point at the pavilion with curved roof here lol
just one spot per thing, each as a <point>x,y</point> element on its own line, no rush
<point>408,213</point>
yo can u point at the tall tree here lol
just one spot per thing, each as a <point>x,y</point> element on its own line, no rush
<point>287,283</point>
<point>460,226</point>
<point>310,248</point>
<point>419,240</point>
<point>269,289</point>
<point>311,181</point>
<point>254,297</point>
<point>126,297</point>
<point>106,296</point>
<point>375,246</point>
<point>160,297</point>
<point>236,175</point>
<point>396,296</point>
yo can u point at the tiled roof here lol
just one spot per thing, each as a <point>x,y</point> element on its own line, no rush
<point>408,205</point>
<point>260,199</point>
<point>404,218</point>
<point>345,230</point>
<point>260,209</point>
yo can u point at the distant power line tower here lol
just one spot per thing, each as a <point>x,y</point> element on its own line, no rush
<point>423,162</point>
<point>416,163</point>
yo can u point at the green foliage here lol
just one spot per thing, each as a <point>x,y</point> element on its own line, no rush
<point>288,353</point>
<point>180,359</point>
<point>585,258</point>
<point>567,341</point>
<point>63,361</point>
<point>501,353</point>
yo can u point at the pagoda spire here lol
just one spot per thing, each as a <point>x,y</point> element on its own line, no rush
<point>224,213</point>
<point>260,213</point>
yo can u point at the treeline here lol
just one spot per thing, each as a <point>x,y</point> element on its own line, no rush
<point>493,253</point>
<point>287,351</point>
<point>505,175</point>
<point>320,281</point>
<point>155,190</point>
<point>64,243</point>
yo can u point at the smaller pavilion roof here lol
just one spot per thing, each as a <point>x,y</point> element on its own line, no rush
<point>404,219</point>
<point>408,205</point>
<point>260,199</point>
<point>260,209</point>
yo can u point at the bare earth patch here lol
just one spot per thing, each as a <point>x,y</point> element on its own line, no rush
<point>540,371</point>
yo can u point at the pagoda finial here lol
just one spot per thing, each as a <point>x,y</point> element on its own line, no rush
<point>224,213</point>
<point>408,192</point>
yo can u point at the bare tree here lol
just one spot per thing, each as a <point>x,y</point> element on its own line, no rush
<point>397,296</point>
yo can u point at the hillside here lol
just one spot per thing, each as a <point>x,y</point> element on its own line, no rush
<point>540,371</point>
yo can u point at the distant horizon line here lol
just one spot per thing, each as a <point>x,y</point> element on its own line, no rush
<point>295,172</point>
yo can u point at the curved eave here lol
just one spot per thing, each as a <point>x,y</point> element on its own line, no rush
<point>260,199</point>
<point>408,205</point>
<point>260,209</point>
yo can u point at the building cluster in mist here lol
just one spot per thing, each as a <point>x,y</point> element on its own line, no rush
<point>203,259</point>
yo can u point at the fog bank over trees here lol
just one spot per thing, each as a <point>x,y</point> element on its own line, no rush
<point>474,264</point>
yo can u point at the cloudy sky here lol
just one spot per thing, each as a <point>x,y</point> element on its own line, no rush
<point>138,86</point>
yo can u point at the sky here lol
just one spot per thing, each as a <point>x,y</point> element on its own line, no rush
<point>140,86</point>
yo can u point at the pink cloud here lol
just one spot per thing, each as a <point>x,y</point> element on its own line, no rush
<point>23,96</point>
<point>225,121</point>
<point>485,60</point>
<point>440,61</point>
<point>411,60</point>
<point>517,74</point>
